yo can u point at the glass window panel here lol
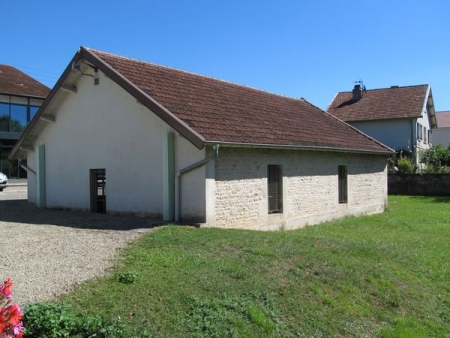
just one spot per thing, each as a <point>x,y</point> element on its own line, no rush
<point>4,109</point>
<point>18,117</point>
<point>4,116</point>
<point>33,111</point>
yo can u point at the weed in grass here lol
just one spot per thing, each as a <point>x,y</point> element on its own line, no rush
<point>404,328</point>
<point>296,272</point>
<point>224,316</point>
<point>263,252</point>
<point>127,277</point>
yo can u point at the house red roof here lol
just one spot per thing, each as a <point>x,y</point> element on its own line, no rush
<point>221,111</point>
<point>443,119</point>
<point>376,104</point>
<point>14,82</point>
<point>209,111</point>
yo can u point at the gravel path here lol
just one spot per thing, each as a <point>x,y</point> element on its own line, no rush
<point>48,252</point>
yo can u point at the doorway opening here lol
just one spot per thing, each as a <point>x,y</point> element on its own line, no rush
<point>98,190</point>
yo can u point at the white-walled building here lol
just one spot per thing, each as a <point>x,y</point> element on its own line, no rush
<point>400,117</point>
<point>441,134</point>
<point>125,136</point>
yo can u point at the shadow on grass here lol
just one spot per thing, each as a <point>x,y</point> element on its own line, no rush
<point>432,199</point>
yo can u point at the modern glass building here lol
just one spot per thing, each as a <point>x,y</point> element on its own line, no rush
<point>20,98</point>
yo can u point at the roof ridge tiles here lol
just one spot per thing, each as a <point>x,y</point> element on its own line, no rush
<point>386,88</point>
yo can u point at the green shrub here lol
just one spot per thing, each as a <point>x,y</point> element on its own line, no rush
<point>49,320</point>
<point>52,320</point>
<point>437,157</point>
<point>405,165</point>
<point>95,326</point>
<point>428,169</point>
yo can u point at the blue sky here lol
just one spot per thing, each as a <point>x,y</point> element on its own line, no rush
<point>302,48</point>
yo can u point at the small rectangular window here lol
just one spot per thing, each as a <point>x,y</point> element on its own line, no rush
<point>275,189</point>
<point>342,178</point>
<point>425,134</point>
<point>98,190</point>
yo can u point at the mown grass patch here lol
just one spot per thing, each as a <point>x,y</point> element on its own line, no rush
<point>385,275</point>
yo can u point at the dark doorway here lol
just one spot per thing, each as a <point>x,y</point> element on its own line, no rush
<point>98,190</point>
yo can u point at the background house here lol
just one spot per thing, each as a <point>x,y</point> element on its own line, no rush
<point>126,136</point>
<point>400,117</point>
<point>20,98</point>
<point>441,133</point>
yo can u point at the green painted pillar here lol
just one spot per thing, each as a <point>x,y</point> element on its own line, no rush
<point>169,178</point>
<point>40,176</point>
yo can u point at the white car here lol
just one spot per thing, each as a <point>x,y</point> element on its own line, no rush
<point>3,181</point>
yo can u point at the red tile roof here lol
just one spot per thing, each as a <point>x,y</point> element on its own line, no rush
<point>14,82</point>
<point>210,111</point>
<point>225,112</point>
<point>443,119</point>
<point>376,104</point>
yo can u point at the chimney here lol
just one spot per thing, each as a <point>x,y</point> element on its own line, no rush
<point>357,93</point>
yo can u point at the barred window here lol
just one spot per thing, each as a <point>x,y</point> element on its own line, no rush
<point>275,189</point>
<point>342,177</point>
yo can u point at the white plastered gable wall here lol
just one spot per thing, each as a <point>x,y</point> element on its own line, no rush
<point>103,126</point>
<point>423,133</point>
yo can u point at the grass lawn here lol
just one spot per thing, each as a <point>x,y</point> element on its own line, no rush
<point>385,275</point>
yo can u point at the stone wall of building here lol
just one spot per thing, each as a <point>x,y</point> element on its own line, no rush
<point>309,185</point>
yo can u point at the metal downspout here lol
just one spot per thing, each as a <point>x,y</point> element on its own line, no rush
<point>184,171</point>
<point>28,169</point>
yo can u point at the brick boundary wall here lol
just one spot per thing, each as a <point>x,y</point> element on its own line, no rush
<point>419,184</point>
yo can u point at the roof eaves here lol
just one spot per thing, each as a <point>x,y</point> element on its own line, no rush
<point>23,95</point>
<point>14,152</point>
<point>145,99</point>
<point>388,150</point>
<point>382,119</point>
<point>428,106</point>
<point>360,132</point>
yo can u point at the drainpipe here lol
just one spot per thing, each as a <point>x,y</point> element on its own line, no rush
<point>28,169</point>
<point>184,171</point>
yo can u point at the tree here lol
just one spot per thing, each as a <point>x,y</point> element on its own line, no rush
<point>436,159</point>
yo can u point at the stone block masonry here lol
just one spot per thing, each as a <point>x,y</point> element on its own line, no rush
<point>309,187</point>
